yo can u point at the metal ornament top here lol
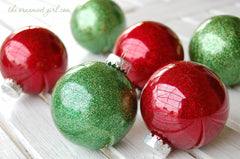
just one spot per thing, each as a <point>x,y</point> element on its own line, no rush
<point>118,63</point>
<point>158,144</point>
<point>11,88</point>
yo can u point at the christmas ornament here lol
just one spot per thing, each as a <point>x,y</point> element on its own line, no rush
<point>216,44</point>
<point>184,105</point>
<point>96,25</point>
<point>94,104</point>
<point>147,46</point>
<point>31,60</point>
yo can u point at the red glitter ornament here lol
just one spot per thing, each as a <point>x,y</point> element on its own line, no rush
<point>185,105</point>
<point>32,58</point>
<point>147,46</point>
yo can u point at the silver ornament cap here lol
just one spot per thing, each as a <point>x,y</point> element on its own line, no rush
<point>11,88</point>
<point>157,143</point>
<point>118,63</point>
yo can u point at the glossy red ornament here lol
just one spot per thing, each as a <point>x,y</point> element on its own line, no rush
<point>184,104</point>
<point>34,58</point>
<point>147,46</point>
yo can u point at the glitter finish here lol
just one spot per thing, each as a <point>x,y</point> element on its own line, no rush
<point>97,24</point>
<point>147,46</point>
<point>94,105</point>
<point>185,104</point>
<point>216,44</point>
<point>33,57</point>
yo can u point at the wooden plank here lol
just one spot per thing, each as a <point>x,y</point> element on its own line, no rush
<point>233,9</point>
<point>132,145</point>
<point>78,55</point>
<point>4,32</point>
<point>128,6</point>
<point>234,118</point>
<point>18,139</point>
<point>163,11</point>
<point>32,117</point>
<point>226,145</point>
<point>8,149</point>
<point>124,4</point>
<point>184,32</point>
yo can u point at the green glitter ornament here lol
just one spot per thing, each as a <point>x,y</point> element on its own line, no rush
<point>216,44</point>
<point>94,105</point>
<point>96,25</point>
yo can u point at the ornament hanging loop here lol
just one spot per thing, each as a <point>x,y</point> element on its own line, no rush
<point>44,98</point>
<point>11,88</point>
<point>118,63</point>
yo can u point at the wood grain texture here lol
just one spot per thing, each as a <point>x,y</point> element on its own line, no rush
<point>31,116</point>
<point>133,147</point>
<point>7,148</point>
<point>226,145</point>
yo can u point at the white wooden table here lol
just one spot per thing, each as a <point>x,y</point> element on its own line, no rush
<point>29,118</point>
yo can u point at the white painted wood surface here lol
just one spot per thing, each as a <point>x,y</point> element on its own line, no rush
<point>30,119</point>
